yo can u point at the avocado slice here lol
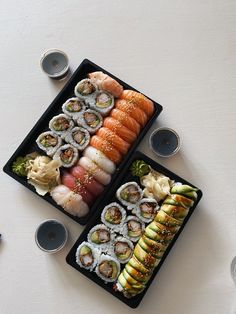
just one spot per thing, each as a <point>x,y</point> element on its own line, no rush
<point>185,190</point>
<point>85,250</point>
<point>176,212</point>
<point>158,246</point>
<point>137,274</point>
<point>182,200</point>
<point>145,258</point>
<point>133,282</point>
<point>126,286</point>
<point>135,263</point>
<point>167,220</point>
<point>150,250</point>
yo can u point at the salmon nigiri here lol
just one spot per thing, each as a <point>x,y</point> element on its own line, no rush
<point>106,148</point>
<point>132,110</point>
<point>118,128</point>
<point>140,100</point>
<point>113,139</point>
<point>126,120</point>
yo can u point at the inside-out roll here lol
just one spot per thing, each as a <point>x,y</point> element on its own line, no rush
<point>73,107</point>
<point>91,120</point>
<point>49,142</point>
<point>78,137</point>
<point>61,124</point>
<point>67,154</point>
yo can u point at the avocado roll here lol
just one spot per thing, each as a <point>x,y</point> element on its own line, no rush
<point>145,258</point>
<point>67,154</point>
<point>133,228</point>
<point>167,220</point>
<point>124,285</point>
<point>78,137</point>
<point>155,251</point>
<point>176,212</point>
<point>104,102</point>
<point>129,194</point>
<point>49,142</point>
<point>87,256</point>
<point>61,124</point>
<point>87,91</point>
<point>100,236</point>
<point>185,190</point>
<point>136,273</point>
<point>91,120</point>
<point>122,249</point>
<point>108,268</point>
<point>146,209</point>
<point>73,107</point>
<point>179,200</point>
<point>113,216</point>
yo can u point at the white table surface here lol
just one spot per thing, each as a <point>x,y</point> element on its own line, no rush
<point>180,53</point>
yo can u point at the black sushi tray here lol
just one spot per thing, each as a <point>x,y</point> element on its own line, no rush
<point>29,145</point>
<point>126,176</point>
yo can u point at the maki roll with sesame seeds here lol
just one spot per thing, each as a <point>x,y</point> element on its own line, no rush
<point>122,249</point>
<point>108,268</point>
<point>146,209</point>
<point>104,102</point>
<point>91,120</point>
<point>100,236</point>
<point>87,91</point>
<point>49,142</point>
<point>87,256</point>
<point>129,194</point>
<point>133,228</point>
<point>67,154</point>
<point>78,137</point>
<point>61,124</point>
<point>73,107</point>
<point>113,216</point>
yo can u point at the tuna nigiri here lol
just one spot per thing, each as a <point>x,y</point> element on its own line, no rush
<point>106,148</point>
<point>118,128</point>
<point>100,159</point>
<point>132,110</point>
<point>106,83</point>
<point>140,100</point>
<point>126,120</point>
<point>87,180</point>
<point>99,174</point>
<point>113,139</point>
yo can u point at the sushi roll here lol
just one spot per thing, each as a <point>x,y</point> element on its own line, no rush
<point>69,201</point>
<point>67,154</point>
<point>146,209</point>
<point>113,216</point>
<point>91,120</point>
<point>99,174</point>
<point>61,124</point>
<point>78,137</point>
<point>133,228</point>
<point>49,142</point>
<point>122,249</point>
<point>73,107</point>
<point>167,220</point>
<point>87,91</point>
<point>108,268</point>
<point>129,194</point>
<point>104,102</point>
<point>100,236</point>
<point>87,256</point>
<point>100,159</point>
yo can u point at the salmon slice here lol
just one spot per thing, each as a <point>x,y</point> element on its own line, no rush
<point>116,141</point>
<point>132,110</point>
<point>126,120</point>
<point>118,128</point>
<point>106,148</point>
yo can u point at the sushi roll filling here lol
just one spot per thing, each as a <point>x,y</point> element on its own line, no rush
<point>74,106</point>
<point>49,140</point>
<point>85,88</point>
<point>67,155</point>
<point>134,228</point>
<point>79,137</point>
<point>130,194</point>
<point>108,269</point>
<point>122,250</point>
<point>103,100</point>
<point>91,119</point>
<point>100,236</point>
<point>61,124</point>
<point>113,215</point>
<point>86,256</point>
<point>147,209</point>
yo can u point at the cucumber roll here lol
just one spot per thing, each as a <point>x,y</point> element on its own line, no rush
<point>61,124</point>
<point>146,209</point>
<point>108,268</point>
<point>129,194</point>
<point>73,107</point>
<point>91,120</point>
<point>67,154</point>
<point>100,236</point>
<point>113,216</point>
<point>49,142</point>
<point>78,137</point>
<point>87,256</point>
<point>104,102</point>
<point>122,249</point>
<point>133,228</point>
<point>87,91</point>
